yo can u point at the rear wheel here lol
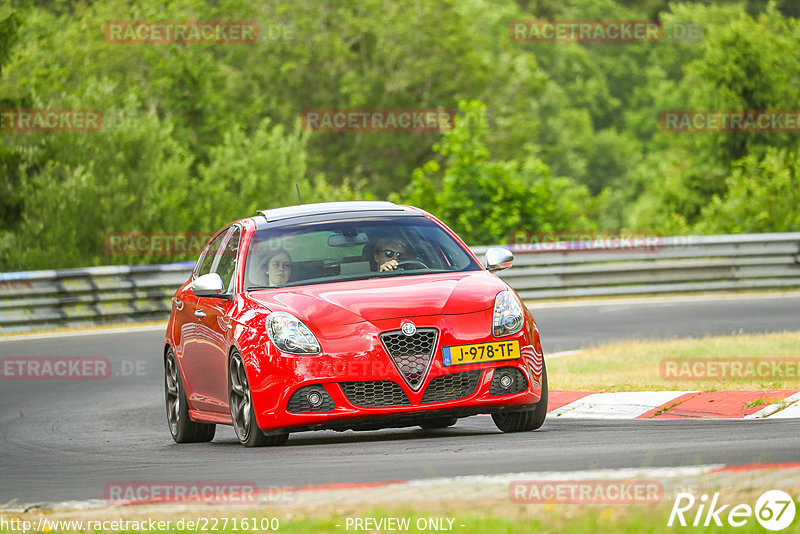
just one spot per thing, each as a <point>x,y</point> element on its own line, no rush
<point>526,420</point>
<point>433,424</point>
<point>183,429</point>
<point>242,412</point>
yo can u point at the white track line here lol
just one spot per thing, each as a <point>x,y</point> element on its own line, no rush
<point>791,411</point>
<point>87,332</point>
<point>622,405</point>
<point>537,305</point>
<point>588,474</point>
<point>562,353</point>
<point>767,411</point>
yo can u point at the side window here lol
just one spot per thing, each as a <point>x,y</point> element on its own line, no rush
<point>211,254</point>
<point>227,260</point>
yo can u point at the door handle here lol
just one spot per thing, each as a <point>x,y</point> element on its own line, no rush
<point>199,313</point>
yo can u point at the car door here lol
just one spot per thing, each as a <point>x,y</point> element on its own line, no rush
<point>194,331</point>
<point>185,304</point>
<point>214,323</point>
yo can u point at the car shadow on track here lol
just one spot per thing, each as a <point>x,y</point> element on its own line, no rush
<point>328,437</point>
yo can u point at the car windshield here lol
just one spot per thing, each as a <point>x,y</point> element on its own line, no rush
<point>334,251</point>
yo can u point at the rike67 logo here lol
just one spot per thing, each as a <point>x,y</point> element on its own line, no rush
<point>774,510</point>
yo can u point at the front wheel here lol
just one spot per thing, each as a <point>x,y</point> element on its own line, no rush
<point>242,412</point>
<point>183,429</point>
<point>526,420</point>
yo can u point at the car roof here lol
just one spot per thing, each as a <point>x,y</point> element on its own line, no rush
<point>331,211</point>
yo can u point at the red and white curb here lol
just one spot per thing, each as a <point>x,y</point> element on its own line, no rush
<point>777,404</point>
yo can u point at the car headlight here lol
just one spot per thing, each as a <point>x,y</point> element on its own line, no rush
<point>508,315</point>
<point>290,334</point>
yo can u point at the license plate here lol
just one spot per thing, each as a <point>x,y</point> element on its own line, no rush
<point>481,352</point>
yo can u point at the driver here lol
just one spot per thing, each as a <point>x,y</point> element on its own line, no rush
<point>389,252</point>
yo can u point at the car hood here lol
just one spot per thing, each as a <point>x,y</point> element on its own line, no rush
<point>386,298</point>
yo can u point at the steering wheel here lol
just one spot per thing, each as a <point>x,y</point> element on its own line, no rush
<point>403,264</point>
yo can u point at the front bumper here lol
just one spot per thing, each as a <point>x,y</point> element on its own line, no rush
<point>353,354</point>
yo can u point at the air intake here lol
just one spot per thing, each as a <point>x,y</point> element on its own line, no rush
<point>376,393</point>
<point>452,387</point>
<point>412,354</point>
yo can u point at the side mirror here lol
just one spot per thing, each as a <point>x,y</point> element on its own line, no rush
<point>498,259</point>
<point>208,285</point>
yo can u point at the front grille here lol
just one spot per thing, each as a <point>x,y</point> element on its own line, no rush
<point>518,381</point>
<point>375,393</point>
<point>451,387</point>
<point>298,402</point>
<point>411,355</point>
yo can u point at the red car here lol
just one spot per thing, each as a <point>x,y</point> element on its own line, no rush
<point>347,315</point>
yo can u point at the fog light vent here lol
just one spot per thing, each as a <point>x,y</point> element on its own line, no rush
<point>314,399</point>
<point>310,399</point>
<point>508,380</point>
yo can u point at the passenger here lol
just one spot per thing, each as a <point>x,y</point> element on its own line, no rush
<point>279,268</point>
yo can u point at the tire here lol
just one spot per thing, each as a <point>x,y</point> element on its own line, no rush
<point>434,424</point>
<point>183,429</point>
<point>242,413</point>
<point>527,420</point>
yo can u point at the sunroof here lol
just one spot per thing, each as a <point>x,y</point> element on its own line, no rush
<point>303,210</point>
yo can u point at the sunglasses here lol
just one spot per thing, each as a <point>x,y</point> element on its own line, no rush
<point>392,253</point>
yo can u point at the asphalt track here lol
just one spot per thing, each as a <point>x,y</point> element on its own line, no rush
<point>65,440</point>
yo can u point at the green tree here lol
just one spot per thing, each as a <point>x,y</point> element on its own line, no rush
<point>744,63</point>
<point>483,200</point>
<point>762,195</point>
<point>260,169</point>
<point>10,200</point>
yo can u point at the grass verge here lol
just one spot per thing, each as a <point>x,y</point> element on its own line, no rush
<point>637,365</point>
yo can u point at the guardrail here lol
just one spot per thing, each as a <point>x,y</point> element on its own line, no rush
<point>42,299</point>
<point>665,265</point>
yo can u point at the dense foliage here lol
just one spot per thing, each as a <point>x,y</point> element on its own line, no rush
<point>550,136</point>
